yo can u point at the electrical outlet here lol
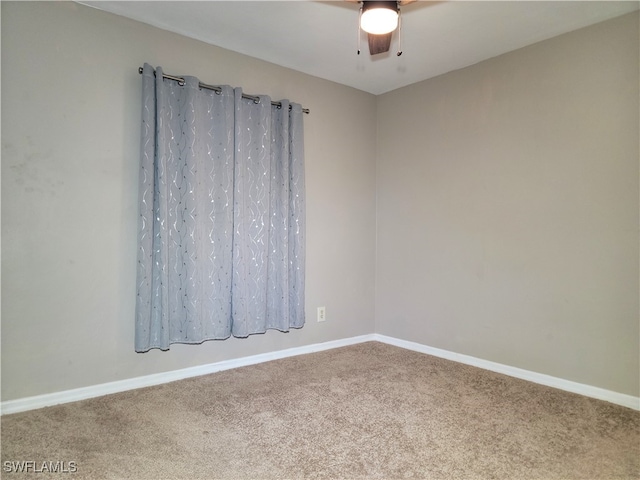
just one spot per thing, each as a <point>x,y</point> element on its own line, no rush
<point>321,314</point>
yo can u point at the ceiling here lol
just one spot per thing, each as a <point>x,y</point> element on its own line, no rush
<point>321,38</point>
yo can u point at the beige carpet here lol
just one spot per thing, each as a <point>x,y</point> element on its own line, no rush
<point>364,411</point>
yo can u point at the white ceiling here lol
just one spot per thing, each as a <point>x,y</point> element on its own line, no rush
<point>320,38</point>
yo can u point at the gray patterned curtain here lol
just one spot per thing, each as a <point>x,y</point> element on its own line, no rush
<point>222,217</point>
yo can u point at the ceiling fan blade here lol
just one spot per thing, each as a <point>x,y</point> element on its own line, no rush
<point>379,43</point>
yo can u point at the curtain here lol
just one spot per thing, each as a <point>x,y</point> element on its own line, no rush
<point>222,214</point>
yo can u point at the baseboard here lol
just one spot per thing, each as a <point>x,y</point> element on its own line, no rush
<point>67,396</point>
<point>540,378</point>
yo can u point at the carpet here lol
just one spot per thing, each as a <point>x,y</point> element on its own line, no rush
<point>368,411</point>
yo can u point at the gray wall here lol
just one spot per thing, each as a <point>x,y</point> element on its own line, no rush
<point>70,143</point>
<point>507,200</point>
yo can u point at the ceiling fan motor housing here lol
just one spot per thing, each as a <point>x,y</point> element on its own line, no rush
<point>368,5</point>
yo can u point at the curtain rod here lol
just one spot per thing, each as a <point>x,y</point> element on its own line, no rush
<point>216,89</point>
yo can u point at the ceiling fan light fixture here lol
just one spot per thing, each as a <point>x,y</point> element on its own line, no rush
<point>379,18</point>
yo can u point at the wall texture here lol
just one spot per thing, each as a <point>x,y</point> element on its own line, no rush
<point>70,144</point>
<point>507,203</point>
<point>507,200</point>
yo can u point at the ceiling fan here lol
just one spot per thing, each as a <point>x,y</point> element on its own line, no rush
<point>379,19</point>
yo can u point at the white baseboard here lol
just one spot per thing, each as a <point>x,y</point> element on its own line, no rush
<point>67,396</point>
<point>540,378</point>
